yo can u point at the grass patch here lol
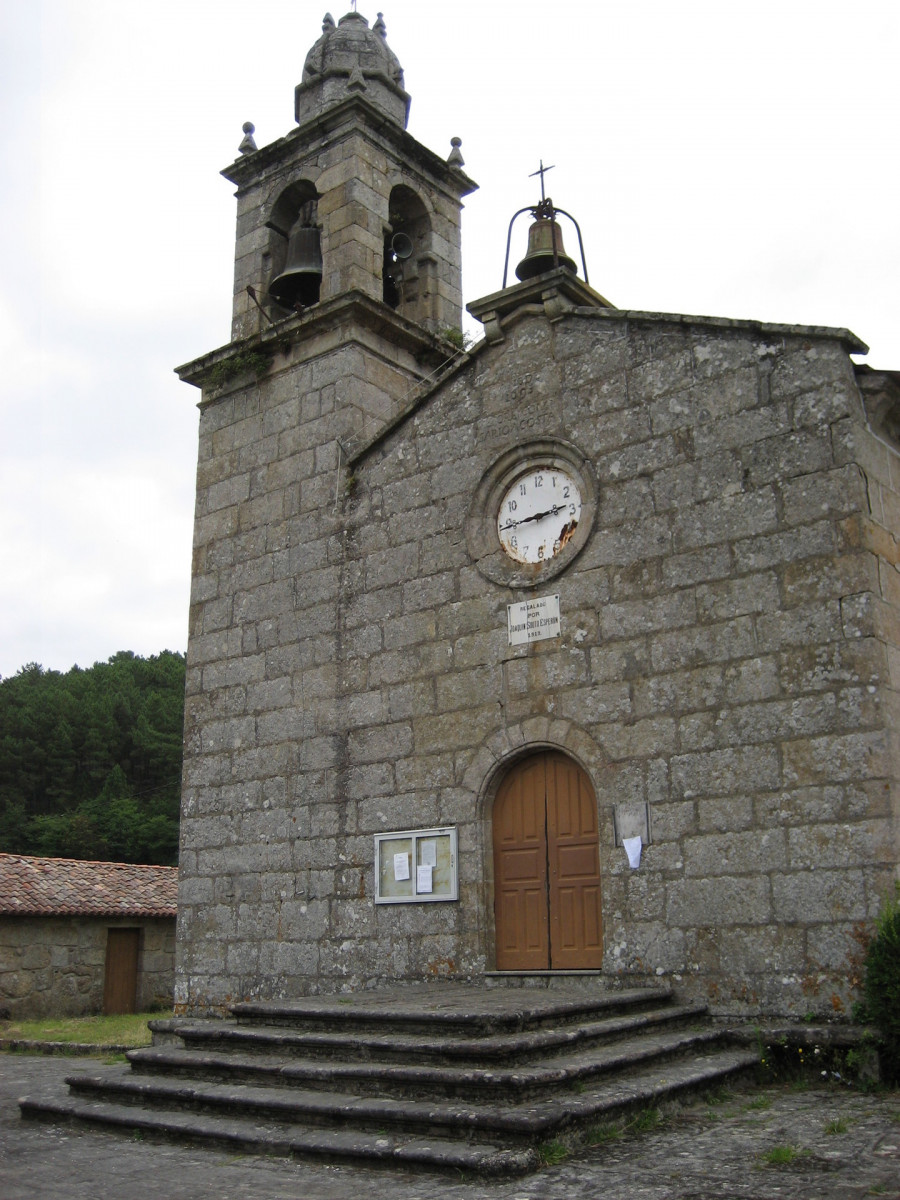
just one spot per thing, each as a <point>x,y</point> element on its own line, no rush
<point>598,1135</point>
<point>642,1122</point>
<point>761,1102</point>
<point>647,1119</point>
<point>838,1125</point>
<point>780,1156</point>
<point>124,1029</point>
<point>551,1153</point>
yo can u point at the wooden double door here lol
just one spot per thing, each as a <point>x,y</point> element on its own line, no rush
<point>547,868</point>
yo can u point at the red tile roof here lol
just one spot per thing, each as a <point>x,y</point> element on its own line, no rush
<point>69,887</point>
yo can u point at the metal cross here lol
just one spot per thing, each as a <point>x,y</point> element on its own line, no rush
<point>542,170</point>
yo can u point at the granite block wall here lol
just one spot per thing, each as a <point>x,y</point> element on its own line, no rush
<point>54,966</point>
<point>728,658</point>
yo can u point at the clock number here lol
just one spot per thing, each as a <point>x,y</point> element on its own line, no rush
<point>556,546</point>
<point>538,481</point>
<point>571,510</point>
<point>523,491</point>
<point>512,506</point>
<point>514,542</point>
<point>541,550</point>
<point>566,492</point>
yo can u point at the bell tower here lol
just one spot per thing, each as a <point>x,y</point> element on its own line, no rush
<point>346,223</point>
<point>347,295</point>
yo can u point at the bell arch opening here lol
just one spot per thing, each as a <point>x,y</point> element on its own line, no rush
<point>546,867</point>
<point>409,266</point>
<point>294,250</point>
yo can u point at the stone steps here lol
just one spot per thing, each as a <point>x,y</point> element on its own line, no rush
<point>449,1078</point>
<point>332,1145</point>
<point>481,1012</point>
<point>497,1138</point>
<point>414,1079</point>
<point>495,1047</point>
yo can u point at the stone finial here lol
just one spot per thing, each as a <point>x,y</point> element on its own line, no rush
<point>328,23</point>
<point>379,27</point>
<point>248,145</point>
<point>455,158</point>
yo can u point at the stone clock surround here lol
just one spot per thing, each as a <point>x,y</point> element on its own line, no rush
<point>481,521</point>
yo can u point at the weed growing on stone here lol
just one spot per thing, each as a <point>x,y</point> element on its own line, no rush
<point>642,1122</point>
<point>598,1135</point>
<point>551,1153</point>
<point>783,1061</point>
<point>647,1119</point>
<point>780,1156</point>
<point>759,1103</point>
<point>838,1125</point>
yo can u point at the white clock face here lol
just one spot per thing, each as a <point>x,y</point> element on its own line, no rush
<point>538,514</point>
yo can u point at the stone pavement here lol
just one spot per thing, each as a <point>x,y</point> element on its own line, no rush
<point>845,1145</point>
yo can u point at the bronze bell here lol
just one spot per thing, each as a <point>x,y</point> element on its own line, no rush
<point>543,236</point>
<point>299,282</point>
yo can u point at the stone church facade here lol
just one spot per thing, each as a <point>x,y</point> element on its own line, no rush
<point>438,726</point>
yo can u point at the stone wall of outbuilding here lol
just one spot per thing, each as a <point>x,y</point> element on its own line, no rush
<point>55,966</point>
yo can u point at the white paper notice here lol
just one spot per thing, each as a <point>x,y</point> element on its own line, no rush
<point>428,852</point>
<point>633,850</point>
<point>423,879</point>
<point>401,866</point>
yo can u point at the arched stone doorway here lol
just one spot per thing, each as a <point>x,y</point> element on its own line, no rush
<point>547,867</point>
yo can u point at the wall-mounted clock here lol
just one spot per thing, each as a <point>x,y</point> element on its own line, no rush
<point>539,513</point>
<point>532,513</point>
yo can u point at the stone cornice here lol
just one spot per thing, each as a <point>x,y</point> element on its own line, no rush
<point>343,312</point>
<point>354,113</point>
<point>559,293</point>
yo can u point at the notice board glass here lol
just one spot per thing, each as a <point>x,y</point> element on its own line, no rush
<point>416,866</point>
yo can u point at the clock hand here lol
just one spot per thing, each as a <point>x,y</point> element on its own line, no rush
<point>551,512</point>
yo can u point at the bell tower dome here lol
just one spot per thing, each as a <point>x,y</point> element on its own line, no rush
<point>350,56</point>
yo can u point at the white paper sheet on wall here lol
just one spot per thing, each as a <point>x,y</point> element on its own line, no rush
<point>423,879</point>
<point>401,866</point>
<point>633,850</point>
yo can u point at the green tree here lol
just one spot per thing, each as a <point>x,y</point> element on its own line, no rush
<point>90,760</point>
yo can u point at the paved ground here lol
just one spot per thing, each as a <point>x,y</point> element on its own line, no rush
<point>841,1145</point>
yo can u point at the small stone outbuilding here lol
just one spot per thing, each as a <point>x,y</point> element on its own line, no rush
<point>85,937</point>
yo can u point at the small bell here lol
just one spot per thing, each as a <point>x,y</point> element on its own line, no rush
<point>545,250</point>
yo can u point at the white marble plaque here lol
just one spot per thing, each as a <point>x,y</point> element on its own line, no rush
<point>533,620</point>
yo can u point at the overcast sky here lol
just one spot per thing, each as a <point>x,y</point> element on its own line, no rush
<point>738,160</point>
